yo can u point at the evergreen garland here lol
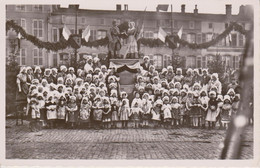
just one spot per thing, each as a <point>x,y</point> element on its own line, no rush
<point>171,40</point>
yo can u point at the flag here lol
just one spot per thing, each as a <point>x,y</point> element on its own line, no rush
<point>180,32</point>
<point>86,33</point>
<point>66,33</point>
<point>19,36</point>
<point>162,7</point>
<point>229,38</point>
<point>162,34</point>
<point>140,32</point>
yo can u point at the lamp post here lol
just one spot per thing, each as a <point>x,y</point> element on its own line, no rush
<point>74,59</point>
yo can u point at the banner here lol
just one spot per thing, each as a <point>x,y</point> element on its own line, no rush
<point>129,64</point>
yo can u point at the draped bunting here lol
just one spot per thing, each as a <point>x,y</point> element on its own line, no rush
<point>171,40</point>
<point>125,64</point>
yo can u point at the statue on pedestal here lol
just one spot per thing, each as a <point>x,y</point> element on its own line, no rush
<point>114,44</point>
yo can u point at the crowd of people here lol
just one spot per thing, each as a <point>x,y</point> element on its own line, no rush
<point>91,98</point>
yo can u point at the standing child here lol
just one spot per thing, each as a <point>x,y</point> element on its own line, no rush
<point>146,107</point>
<point>35,114</point>
<point>195,110</point>
<point>41,106</point>
<point>51,108</point>
<point>84,112</point>
<point>204,99</point>
<point>212,110</point>
<point>220,104</point>
<point>188,108</point>
<point>114,111</point>
<point>71,109</point>
<point>235,105</point>
<point>124,113</point>
<point>97,112</point>
<point>61,111</point>
<point>136,112</point>
<point>106,112</point>
<point>226,111</point>
<point>182,101</point>
<point>156,113</point>
<point>175,110</point>
<point>166,108</point>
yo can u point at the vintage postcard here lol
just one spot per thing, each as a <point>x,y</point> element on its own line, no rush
<point>130,83</point>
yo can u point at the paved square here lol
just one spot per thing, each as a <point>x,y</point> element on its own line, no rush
<point>182,143</point>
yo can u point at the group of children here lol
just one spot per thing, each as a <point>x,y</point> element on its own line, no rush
<point>91,98</point>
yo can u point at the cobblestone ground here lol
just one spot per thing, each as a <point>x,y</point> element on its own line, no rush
<point>182,143</point>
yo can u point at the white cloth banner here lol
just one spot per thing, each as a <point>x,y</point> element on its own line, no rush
<point>118,63</point>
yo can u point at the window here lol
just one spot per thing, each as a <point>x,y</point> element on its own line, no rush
<point>20,7</point>
<point>233,40</point>
<point>38,7</point>
<point>191,38</point>
<point>241,40</point>
<point>209,37</point>
<point>203,37</point>
<point>235,62</point>
<point>83,20</point>
<point>191,24</point>
<point>148,34</point>
<point>191,62</point>
<point>37,56</point>
<point>21,56</point>
<point>166,60</point>
<point>55,35</point>
<point>184,36</point>
<point>102,21</point>
<point>199,62</point>
<point>23,23</point>
<point>93,35</point>
<point>64,59</point>
<point>38,28</point>
<point>157,61</point>
<point>204,62</point>
<point>226,25</point>
<point>72,31</point>
<point>199,38</point>
<point>101,34</point>
<point>210,25</point>
<point>55,59</point>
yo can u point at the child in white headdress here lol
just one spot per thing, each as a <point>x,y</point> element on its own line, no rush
<point>156,113</point>
<point>146,107</point>
<point>71,110</point>
<point>85,110</point>
<point>212,109</point>
<point>214,82</point>
<point>107,115</point>
<point>175,111</point>
<point>51,108</point>
<point>204,99</point>
<point>61,110</point>
<point>135,114</point>
<point>178,77</point>
<point>226,111</point>
<point>166,109</point>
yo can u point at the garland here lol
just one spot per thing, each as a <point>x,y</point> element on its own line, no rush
<point>171,40</point>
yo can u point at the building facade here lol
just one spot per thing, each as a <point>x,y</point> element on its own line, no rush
<point>47,21</point>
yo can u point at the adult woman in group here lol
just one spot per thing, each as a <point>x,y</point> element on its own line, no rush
<point>21,93</point>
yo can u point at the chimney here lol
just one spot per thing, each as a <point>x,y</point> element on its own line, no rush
<point>74,6</point>
<point>195,10</point>
<point>228,10</point>
<point>118,7</point>
<point>182,8</point>
<point>241,10</point>
<point>126,7</point>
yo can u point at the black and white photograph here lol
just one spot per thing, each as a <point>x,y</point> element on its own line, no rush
<point>130,80</point>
